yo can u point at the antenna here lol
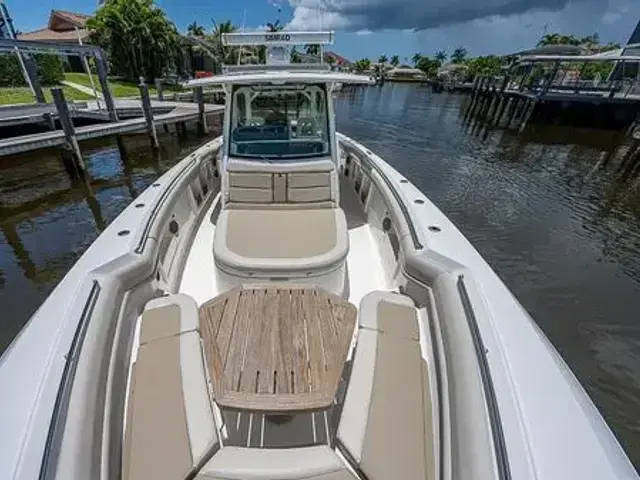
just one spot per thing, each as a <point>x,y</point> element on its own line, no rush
<point>244,21</point>
<point>321,47</point>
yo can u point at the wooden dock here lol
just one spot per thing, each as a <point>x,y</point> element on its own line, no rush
<point>26,143</point>
<point>163,113</point>
<point>501,102</point>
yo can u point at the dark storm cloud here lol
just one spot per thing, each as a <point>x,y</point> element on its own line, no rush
<point>411,14</point>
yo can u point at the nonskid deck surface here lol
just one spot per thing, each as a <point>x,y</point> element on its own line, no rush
<point>276,349</point>
<point>365,271</point>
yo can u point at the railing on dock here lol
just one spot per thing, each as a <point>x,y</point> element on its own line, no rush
<point>517,96</point>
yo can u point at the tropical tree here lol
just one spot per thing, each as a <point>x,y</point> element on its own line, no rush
<point>274,27</point>
<point>224,27</point>
<point>223,54</point>
<point>428,65</point>
<point>395,60</point>
<point>416,58</point>
<point>362,65</point>
<point>195,30</point>
<point>139,38</point>
<point>441,56</point>
<point>458,55</point>
<point>594,70</point>
<point>489,65</point>
<point>590,42</point>
<point>557,39</point>
<point>383,59</point>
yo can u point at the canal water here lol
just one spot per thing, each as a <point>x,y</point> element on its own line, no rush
<point>549,209</point>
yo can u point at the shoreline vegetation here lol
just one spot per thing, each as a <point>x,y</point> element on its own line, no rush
<point>464,65</point>
<point>159,50</point>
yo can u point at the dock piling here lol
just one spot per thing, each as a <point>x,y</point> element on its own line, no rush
<point>528,111</point>
<point>159,89</point>
<point>513,107</point>
<point>32,71</point>
<point>101,69</point>
<point>198,96</point>
<point>72,157</point>
<point>148,115</point>
<point>502,101</point>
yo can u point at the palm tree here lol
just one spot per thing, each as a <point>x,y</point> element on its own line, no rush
<point>441,56</point>
<point>557,39</point>
<point>458,55</point>
<point>362,65</point>
<point>223,54</point>
<point>274,27</point>
<point>195,30</point>
<point>224,27</point>
<point>395,60</point>
<point>416,58</point>
<point>383,59</point>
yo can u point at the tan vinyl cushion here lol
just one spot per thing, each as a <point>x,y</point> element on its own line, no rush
<point>280,240</point>
<point>250,180</point>
<point>278,206</point>
<point>309,463</point>
<point>309,179</point>
<point>386,422</point>
<point>297,183</point>
<point>390,313</point>
<point>159,441</point>
<point>169,315</point>
<point>170,423</point>
<point>309,195</point>
<point>250,195</point>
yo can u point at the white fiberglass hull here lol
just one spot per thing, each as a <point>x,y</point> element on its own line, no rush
<point>533,417</point>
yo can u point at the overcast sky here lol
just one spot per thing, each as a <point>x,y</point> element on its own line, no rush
<point>482,26</point>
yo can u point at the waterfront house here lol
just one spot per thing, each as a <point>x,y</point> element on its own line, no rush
<point>406,74</point>
<point>63,27</point>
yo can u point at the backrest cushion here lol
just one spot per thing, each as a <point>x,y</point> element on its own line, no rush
<point>297,185</point>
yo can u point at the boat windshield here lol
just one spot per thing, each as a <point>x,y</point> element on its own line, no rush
<point>279,122</point>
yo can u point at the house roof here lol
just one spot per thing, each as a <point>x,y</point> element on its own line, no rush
<point>61,28</point>
<point>45,34</point>
<point>59,18</point>
<point>339,59</point>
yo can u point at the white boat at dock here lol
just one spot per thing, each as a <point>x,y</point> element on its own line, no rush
<point>283,304</point>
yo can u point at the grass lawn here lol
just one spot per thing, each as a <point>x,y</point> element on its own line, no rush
<point>119,88</point>
<point>14,95</point>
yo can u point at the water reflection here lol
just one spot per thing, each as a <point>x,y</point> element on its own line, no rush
<point>47,220</point>
<point>552,209</point>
